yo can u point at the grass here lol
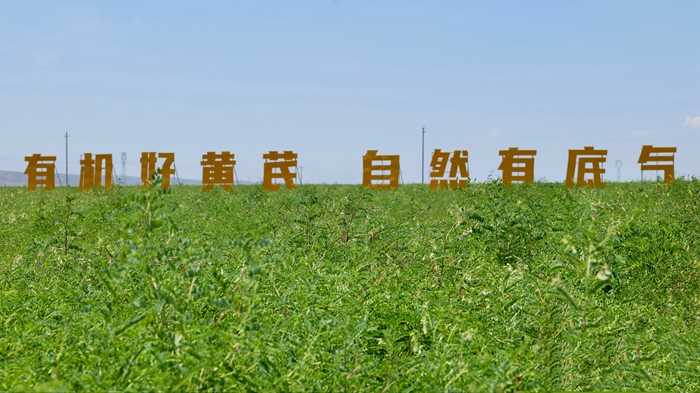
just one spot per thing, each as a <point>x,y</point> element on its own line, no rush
<point>335,288</point>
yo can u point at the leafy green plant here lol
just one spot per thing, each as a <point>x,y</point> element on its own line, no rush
<point>463,290</point>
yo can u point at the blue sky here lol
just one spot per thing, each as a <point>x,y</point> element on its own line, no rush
<point>332,79</point>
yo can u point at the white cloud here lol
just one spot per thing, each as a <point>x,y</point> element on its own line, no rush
<point>693,122</point>
<point>644,133</point>
<point>495,132</point>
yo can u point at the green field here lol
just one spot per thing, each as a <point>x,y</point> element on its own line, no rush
<point>333,288</point>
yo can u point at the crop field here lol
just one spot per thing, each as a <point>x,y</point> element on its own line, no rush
<point>336,288</point>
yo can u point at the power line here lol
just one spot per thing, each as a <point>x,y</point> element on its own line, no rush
<point>555,139</point>
<point>29,140</point>
<point>67,158</point>
<point>422,158</point>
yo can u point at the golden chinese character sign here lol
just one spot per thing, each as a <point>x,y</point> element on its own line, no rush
<point>655,158</point>
<point>91,171</point>
<point>41,171</point>
<point>283,162</point>
<point>217,169</point>
<point>149,161</point>
<point>373,163</point>
<point>578,165</point>
<point>585,167</point>
<point>459,169</point>
<point>517,165</point>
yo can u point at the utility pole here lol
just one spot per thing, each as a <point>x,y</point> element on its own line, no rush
<point>67,158</point>
<point>124,167</point>
<point>618,164</point>
<point>422,151</point>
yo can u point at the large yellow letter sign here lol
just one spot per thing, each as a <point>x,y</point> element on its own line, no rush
<point>517,165</point>
<point>41,171</point>
<point>589,155</point>
<point>283,162</point>
<point>217,169</point>
<point>149,161</point>
<point>91,171</point>
<point>459,165</point>
<point>384,180</point>
<point>662,158</point>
